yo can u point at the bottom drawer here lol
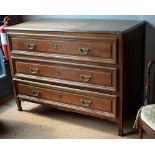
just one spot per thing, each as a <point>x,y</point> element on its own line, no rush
<point>106,103</point>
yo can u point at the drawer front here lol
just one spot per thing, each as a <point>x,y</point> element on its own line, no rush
<point>106,78</point>
<point>107,103</point>
<point>102,50</point>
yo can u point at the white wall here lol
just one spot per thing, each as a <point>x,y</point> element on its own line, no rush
<point>150,38</point>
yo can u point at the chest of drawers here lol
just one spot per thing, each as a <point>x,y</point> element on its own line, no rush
<point>93,67</point>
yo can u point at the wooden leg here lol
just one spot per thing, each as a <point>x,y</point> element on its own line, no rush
<point>120,129</point>
<point>19,108</point>
<point>120,126</point>
<point>120,132</point>
<point>141,132</point>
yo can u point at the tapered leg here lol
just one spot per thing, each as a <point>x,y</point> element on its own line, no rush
<point>120,132</point>
<point>141,132</point>
<point>120,126</point>
<point>19,108</point>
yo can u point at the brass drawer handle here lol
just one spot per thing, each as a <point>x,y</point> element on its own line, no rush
<point>31,46</point>
<point>84,50</point>
<point>85,77</point>
<point>34,70</point>
<point>86,103</point>
<point>35,93</point>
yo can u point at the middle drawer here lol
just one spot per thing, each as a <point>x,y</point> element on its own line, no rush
<point>106,77</point>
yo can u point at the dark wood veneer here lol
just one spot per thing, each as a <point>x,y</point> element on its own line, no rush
<point>96,70</point>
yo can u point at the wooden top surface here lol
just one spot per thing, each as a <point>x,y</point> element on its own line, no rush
<point>78,25</point>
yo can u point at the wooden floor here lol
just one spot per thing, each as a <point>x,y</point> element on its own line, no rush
<point>44,122</point>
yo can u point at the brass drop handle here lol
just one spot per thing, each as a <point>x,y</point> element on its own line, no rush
<point>85,77</point>
<point>84,51</point>
<point>34,70</point>
<point>86,103</point>
<point>35,93</point>
<point>31,46</point>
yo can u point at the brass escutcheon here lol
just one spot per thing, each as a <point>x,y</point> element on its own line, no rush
<point>56,45</point>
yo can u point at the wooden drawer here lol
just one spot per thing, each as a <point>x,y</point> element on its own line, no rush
<point>107,103</point>
<point>106,78</point>
<point>104,50</point>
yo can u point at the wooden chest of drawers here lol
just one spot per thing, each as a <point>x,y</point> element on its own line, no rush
<point>93,67</point>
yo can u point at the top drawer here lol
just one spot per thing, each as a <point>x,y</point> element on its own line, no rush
<point>102,50</point>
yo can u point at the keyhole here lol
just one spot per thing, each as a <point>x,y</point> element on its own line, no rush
<point>59,73</point>
<point>60,96</point>
<point>56,45</point>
